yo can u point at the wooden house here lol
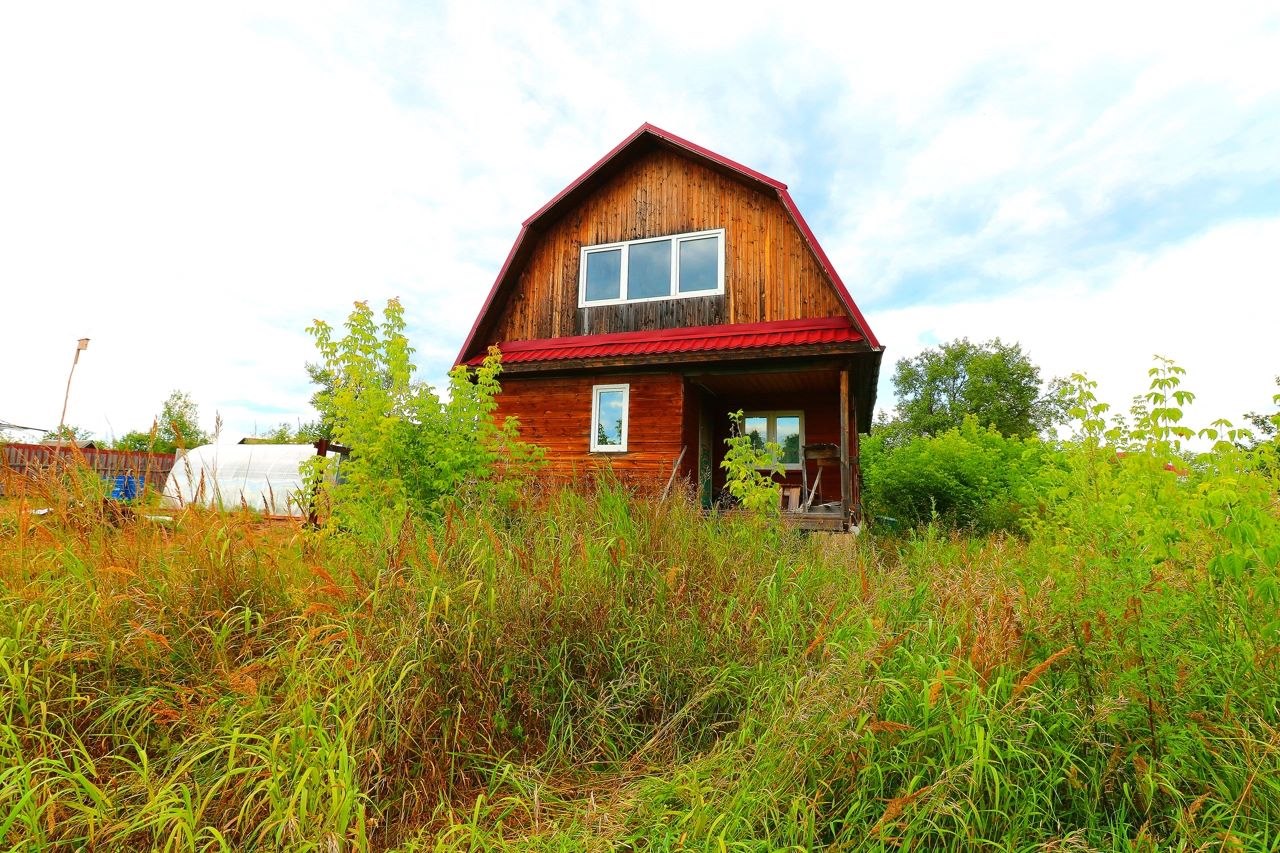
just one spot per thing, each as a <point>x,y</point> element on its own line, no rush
<point>663,289</point>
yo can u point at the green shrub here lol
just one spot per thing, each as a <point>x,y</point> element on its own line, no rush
<point>750,470</point>
<point>969,477</point>
<point>410,450</point>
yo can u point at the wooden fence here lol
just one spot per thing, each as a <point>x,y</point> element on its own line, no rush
<point>22,462</point>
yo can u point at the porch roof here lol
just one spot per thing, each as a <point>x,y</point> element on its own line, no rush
<point>688,339</point>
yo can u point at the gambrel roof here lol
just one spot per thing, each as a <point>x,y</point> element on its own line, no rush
<point>646,139</point>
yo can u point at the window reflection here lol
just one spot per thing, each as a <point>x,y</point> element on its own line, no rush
<point>789,438</point>
<point>699,264</point>
<point>758,430</point>
<point>611,411</point>
<point>649,270</point>
<point>604,275</point>
<point>784,429</point>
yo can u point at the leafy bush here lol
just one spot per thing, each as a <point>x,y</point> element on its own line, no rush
<point>750,469</point>
<point>970,477</point>
<point>410,450</point>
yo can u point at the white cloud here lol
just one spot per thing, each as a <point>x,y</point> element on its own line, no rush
<point>1209,303</point>
<point>191,187</point>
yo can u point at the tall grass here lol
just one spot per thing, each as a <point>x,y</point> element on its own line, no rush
<point>593,670</point>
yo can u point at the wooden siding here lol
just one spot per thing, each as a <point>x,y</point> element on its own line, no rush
<point>555,413</point>
<point>770,271</point>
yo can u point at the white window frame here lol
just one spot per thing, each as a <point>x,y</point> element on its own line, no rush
<point>596,390</point>
<point>771,431</point>
<point>674,291</point>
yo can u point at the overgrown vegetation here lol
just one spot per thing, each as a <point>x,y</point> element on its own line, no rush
<point>411,451</point>
<point>586,670</point>
<point>970,478</point>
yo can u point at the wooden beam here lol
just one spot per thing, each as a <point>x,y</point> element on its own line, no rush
<point>846,474</point>
<point>857,467</point>
<point>706,450</point>
<point>675,470</point>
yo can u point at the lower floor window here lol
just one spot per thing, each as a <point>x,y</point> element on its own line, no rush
<point>786,429</point>
<point>609,405</point>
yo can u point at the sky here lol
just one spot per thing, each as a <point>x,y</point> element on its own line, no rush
<point>191,185</point>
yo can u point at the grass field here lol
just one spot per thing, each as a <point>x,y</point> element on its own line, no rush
<point>597,671</point>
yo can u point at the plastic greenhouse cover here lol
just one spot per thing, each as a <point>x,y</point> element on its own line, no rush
<point>264,477</point>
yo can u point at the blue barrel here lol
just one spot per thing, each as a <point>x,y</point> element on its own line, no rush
<point>125,487</point>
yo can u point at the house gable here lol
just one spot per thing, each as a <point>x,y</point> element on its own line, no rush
<point>655,185</point>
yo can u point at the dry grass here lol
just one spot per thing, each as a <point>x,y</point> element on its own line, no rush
<point>605,672</point>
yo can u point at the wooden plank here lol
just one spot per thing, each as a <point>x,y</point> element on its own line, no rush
<point>846,474</point>
<point>814,520</point>
<point>771,272</point>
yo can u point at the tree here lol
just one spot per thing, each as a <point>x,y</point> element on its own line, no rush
<point>321,399</point>
<point>135,440</point>
<point>177,426</point>
<point>180,422</point>
<point>303,433</point>
<point>1265,426</point>
<point>993,381</point>
<point>69,434</point>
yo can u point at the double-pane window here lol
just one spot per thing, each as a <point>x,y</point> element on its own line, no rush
<point>786,429</point>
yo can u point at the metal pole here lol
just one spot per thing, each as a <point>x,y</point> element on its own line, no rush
<point>81,345</point>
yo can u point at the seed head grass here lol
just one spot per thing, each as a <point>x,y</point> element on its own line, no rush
<point>596,670</point>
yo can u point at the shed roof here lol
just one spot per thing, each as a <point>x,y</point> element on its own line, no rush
<point>647,138</point>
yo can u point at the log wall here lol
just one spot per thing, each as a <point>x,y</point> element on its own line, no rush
<point>555,413</point>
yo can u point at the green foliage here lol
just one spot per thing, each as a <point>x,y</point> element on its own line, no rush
<point>69,433</point>
<point>410,451</point>
<point>968,477</point>
<point>136,440</point>
<point>1265,427</point>
<point>320,400</point>
<point>286,433</point>
<point>179,424</point>
<point>750,464</point>
<point>177,427</point>
<point>992,381</point>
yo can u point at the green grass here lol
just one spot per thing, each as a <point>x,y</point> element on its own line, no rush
<point>598,671</point>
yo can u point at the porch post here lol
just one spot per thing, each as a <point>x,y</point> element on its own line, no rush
<point>846,474</point>
<point>856,465</point>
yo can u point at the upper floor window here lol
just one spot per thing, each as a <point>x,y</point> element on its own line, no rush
<point>652,268</point>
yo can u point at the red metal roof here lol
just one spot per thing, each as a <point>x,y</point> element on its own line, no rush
<point>737,336</point>
<point>648,132</point>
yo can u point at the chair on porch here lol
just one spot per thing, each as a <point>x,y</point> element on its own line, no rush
<point>822,456</point>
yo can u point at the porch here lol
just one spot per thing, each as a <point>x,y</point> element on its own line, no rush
<point>810,409</point>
